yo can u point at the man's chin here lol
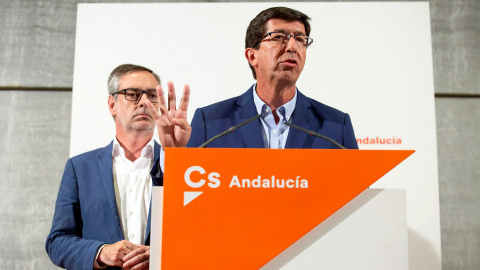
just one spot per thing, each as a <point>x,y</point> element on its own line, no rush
<point>143,125</point>
<point>288,77</point>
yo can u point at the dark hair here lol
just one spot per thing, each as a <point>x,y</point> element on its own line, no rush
<point>257,27</point>
<point>122,70</point>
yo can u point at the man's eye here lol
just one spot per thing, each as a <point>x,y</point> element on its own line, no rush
<point>131,94</point>
<point>152,95</point>
<point>278,37</point>
<point>300,39</point>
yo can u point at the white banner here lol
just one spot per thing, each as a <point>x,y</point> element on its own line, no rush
<point>371,60</point>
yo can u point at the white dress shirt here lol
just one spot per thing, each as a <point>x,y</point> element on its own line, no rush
<point>133,185</point>
<point>274,135</point>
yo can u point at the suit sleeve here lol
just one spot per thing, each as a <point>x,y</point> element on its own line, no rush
<point>349,140</point>
<point>65,245</point>
<point>198,124</point>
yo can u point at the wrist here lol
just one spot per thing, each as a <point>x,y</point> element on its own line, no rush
<point>98,264</point>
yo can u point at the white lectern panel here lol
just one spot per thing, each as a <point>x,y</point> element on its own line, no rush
<point>370,232</point>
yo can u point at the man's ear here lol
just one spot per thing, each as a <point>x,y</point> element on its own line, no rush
<point>251,55</point>
<point>111,105</point>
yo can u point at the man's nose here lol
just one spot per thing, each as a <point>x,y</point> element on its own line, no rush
<point>143,98</point>
<point>291,45</point>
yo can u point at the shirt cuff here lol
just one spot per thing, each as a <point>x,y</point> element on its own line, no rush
<point>96,264</point>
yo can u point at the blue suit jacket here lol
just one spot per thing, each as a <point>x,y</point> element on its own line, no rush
<point>309,114</point>
<point>86,214</point>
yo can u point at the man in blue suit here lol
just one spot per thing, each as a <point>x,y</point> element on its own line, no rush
<point>102,213</point>
<point>275,48</point>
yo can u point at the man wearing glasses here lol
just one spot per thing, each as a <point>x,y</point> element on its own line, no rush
<point>276,48</point>
<point>102,213</point>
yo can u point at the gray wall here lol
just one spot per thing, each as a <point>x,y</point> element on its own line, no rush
<point>36,64</point>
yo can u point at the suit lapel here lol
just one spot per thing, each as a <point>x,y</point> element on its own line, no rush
<point>251,133</point>
<point>301,117</point>
<point>156,155</point>
<point>104,159</point>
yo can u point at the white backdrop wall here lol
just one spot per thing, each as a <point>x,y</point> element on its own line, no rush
<point>372,60</point>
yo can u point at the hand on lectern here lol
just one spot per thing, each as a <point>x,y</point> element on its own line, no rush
<point>126,255</point>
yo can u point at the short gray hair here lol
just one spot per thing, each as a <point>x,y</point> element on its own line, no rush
<point>122,70</point>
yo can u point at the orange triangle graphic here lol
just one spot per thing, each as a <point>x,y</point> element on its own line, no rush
<point>257,202</point>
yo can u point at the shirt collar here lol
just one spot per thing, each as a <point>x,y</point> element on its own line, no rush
<point>147,151</point>
<point>289,107</point>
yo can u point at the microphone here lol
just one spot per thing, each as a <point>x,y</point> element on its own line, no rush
<point>232,129</point>
<point>313,133</point>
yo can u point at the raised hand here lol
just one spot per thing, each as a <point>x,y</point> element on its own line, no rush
<point>172,124</point>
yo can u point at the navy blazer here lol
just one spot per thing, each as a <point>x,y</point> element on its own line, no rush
<point>309,114</point>
<point>86,214</point>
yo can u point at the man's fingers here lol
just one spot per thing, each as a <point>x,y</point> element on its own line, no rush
<point>185,98</point>
<point>152,109</point>
<point>130,245</point>
<point>182,124</point>
<point>172,98</point>
<point>161,99</point>
<point>141,266</point>
<point>113,254</point>
<point>172,103</point>
<point>173,128</point>
<point>132,254</point>
<point>138,258</point>
<point>136,263</point>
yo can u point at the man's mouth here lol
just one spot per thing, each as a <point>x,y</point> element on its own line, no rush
<point>290,62</point>
<point>142,114</point>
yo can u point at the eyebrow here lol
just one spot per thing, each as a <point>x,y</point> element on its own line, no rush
<point>296,33</point>
<point>134,88</point>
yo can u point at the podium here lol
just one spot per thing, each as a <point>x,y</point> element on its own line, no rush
<point>272,209</point>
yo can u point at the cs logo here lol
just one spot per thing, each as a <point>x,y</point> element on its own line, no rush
<point>213,182</point>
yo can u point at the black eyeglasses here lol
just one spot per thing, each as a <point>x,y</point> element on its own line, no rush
<point>282,38</point>
<point>133,94</point>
